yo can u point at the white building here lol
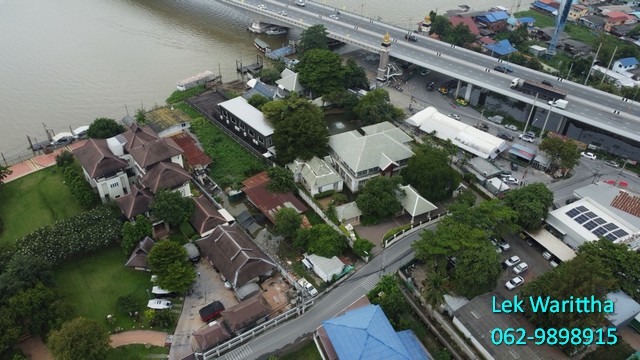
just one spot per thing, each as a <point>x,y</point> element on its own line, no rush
<point>466,137</point>
<point>316,175</point>
<point>103,169</point>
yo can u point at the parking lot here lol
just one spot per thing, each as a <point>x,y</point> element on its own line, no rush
<point>532,255</point>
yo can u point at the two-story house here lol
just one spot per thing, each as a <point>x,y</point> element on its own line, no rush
<point>494,21</point>
<point>247,122</point>
<point>374,150</point>
<point>104,170</point>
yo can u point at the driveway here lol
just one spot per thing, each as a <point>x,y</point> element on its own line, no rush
<point>207,288</point>
<point>374,233</point>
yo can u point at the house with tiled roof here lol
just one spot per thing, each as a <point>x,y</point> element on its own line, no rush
<point>151,153</point>
<point>316,175</point>
<point>374,150</point>
<point>467,21</point>
<point>105,171</point>
<point>205,217</point>
<point>246,313</point>
<point>289,82</point>
<point>616,18</point>
<point>366,333</point>
<point>195,157</point>
<point>594,22</point>
<point>167,176</point>
<point>414,204</point>
<point>138,258</point>
<point>138,202</point>
<point>269,203</point>
<point>138,135</point>
<point>209,336</point>
<point>232,252</point>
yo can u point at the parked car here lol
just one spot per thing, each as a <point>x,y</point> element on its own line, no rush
<point>211,311</point>
<point>510,180</point>
<point>504,245</point>
<point>547,255</point>
<point>612,163</point>
<point>306,285</point>
<point>505,173</point>
<point>511,127</point>
<point>514,283</point>
<point>588,155</point>
<point>526,138</point>
<point>520,268</point>
<point>482,126</point>
<point>515,259</point>
<point>505,136</point>
<point>495,245</point>
<point>554,263</point>
<point>455,116</point>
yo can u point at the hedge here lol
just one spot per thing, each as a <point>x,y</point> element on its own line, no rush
<point>323,194</point>
<point>83,233</point>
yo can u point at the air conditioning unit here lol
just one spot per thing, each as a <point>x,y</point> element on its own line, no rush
<point>255,141</point>
<point>237,128</point>
<point>221,117</point>
<point>244,133</point>
<point>227,121</point>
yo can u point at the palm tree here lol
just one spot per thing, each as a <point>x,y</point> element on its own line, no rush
<point>435,289</point>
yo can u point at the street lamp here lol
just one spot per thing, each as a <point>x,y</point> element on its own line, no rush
<point>362,10</point>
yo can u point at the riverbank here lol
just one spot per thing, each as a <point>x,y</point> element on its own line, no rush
<point>39,162</point>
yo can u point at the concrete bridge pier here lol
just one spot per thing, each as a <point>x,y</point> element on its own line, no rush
<point>384,58</point>
<point>458,86</point>
<point>467,93</point>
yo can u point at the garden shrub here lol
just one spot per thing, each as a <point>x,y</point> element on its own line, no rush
<point>323,194</point>
<point>83,233</point>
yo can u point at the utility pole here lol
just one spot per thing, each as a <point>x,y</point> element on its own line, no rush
<point>593,62</point>
<point>526,125</point>
<point>609,65</point>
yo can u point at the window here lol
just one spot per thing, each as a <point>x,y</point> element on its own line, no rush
<point>260,139</point>
<point>242,126</point>
<point>114,185</point>
<point>251,133</point>
<point>233,120</point>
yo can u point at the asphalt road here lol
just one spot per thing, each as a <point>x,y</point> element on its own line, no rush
<point>328,305</point>
<point>586,104</point>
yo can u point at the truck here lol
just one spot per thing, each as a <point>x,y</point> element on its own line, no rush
<point>561,104</point>
<point>196,80</point>
<point>534,87</point>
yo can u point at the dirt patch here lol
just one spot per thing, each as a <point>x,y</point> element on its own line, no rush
<point>151,337</point>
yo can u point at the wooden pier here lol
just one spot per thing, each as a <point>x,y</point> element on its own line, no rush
<point>252,69</point>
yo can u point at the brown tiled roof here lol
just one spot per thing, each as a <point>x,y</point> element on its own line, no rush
<point>246,313</point>
<point>468,21</point>
<point>137,202</point>
<point>192,153</point>
<point>205,216</point>
<point>154,152</point>
<point>165,175</point>
<point>138,135</point>
<point>627,203</point>
<point>209,336</point>
<point>139,256</point>
<point>269,203</point>
<point>234,254</point>
<point>97,160</point>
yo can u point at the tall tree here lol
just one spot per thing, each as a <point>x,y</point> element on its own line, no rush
<point>355,75</point>
<point>170,263</point>
<point>477,271</point>
<point>375,107</point>
<point>133,232</point>
<point>320,71</point>
<point>429,173</point>
<point>564,154</point>
<point>104,128</point>
<point>388,295</point>
<point>378,199</point>
<point>459,35</point>
<point>531,203</point>
<point>435,288</point>
<point>4,172</point>
<point>623,264</point>
<point>518,36</point>
<point>24,272</point>
<point>80,338</point>
<point>299,129</point>
<point>492,216</point>
<point>314,37</point>
<point>321,240</point>
<point>257,101</point>
<point>171,207</point>
<point>281,180</point>
<point>288,221</point>
<point>362,247</point>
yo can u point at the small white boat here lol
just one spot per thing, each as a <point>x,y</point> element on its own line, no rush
<point>276,30</point>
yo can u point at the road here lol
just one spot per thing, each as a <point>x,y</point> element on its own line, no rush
<point>328,305</point>
<point>586,104</point>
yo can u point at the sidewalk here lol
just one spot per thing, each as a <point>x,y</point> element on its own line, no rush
<point>156,338</point>
<point>39,162</point>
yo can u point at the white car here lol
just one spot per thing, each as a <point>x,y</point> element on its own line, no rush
<point>511,127</point>
<point>546,255</point>
<point>455,116</point>
<point>588,155</point>
<point>309,288</point>
<point>520,268</point>
<point>514,283</point>
<point>262,6</point>
<point>526,138</point>
<point>334,17</point>
<point>283,13</point>
<point>514,260</point>
<point>510,180</point>
<point>504,245</point>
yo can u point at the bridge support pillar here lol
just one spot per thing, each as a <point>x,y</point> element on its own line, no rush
<point>467,93</point>
<point>384,58</point>
<point>457,93</point>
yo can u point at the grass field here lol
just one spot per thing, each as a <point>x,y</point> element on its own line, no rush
<point>135,352</point>
<point>94,283</point>
<point>308,352</point>
<point>33,201</point>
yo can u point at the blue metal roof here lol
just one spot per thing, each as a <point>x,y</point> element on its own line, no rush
<point>545,7</point>
<point>366,333</point>
<point>630,61</point>
<point>413,345</point>
<point>527,20</point>
<point>502,47</point>
<point>493,16</point>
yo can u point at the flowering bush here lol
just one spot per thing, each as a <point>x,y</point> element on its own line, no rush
<point>83,233</point>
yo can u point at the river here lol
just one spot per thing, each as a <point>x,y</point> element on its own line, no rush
<point>65,63</point>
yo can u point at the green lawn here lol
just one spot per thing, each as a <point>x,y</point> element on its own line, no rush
<point>93,284</point>
<point>308,352</point>
<point>135,352</point>
<point>620,351</point>
<point>33,201</point>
